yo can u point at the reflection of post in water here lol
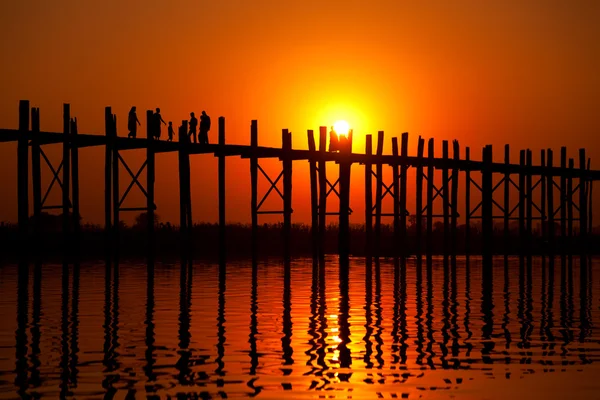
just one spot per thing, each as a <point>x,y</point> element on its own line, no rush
<point>566,300</point>
<point>21,333</point>
<point>286,340</point>
<point>368,314</point>
<point>525,311</point>
<point>429,315</point>
<point>64,337</point>
<point>344,317</point>
<point>312,319</point>
<point>253,320</point>
<point>468,299</point>
<point>399,331</point>
<point>419,315</point>
<point>378,317</point>
<point>585,306</point>
<point>185,303</point>
<point>35,378</point>
<point>149,322</point>
<point>322,320</point>
<point>446,315</point>
<point>506,315</point>
<point>111,329</point>
<point>487,306</point>
<point>454,313</point>
<point>220,370</point>
<point>74,357</point>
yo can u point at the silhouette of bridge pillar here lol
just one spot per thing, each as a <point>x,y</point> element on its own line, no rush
<point>222,226</point>
<point>254,185</point>
<point>322,190</point>
<point>108,183</point>
<point>286,146</point>
<point>344,214</point>
<point>66,218</point>
<point>184,192</point>
<point>150,177</point>
<point>314,195</point>
<point>487,227</point>
<point>23,178</point>
<point>36,175</point>
<point>368,197</point>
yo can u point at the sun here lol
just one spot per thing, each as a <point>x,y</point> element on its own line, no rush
<point>341,127</point>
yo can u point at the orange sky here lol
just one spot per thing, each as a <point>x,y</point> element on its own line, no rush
<point>518,72</point>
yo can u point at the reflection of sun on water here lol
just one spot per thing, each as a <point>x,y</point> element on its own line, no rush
<point>341,127</point>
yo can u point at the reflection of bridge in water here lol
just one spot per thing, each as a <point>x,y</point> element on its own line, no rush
<point>558,196</point>
<point>332,329</point>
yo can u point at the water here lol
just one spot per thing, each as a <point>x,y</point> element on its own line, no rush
<point>376,332</point>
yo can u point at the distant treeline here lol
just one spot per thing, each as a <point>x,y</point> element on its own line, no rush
<point>133,240</point>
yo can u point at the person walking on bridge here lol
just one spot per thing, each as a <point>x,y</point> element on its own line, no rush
<point>204,127</point>
<point>193,127</point>
<point>157,121</point>
<point>132,123</point>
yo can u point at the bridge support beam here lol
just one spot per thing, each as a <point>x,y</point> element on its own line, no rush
<point>222,227</point>
<point>150,177</point>
<point>23,178</point>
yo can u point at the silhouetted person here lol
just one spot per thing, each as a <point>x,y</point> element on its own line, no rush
<point>333,140</point>
<point>157,121</point>
<point>193,127</point>
<point>170,131</point>
<point>132,123</point>
<point>204,127</point>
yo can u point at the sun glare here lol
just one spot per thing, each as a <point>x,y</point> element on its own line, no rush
<point>341,127</point>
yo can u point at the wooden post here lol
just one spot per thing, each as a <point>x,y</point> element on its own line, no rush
<point>506,200</point>
<point>550,194</point>
<point>468,202</point>
<point>23,177</point>
<point>419,199</point>
<point>222,226</point>
<point>522,199</point>
<point>429,201</point>
<point>286,146</point>
<point>322,190</point>
<point>583,210</point>
<point>487,227</point>
<point>66,218</point>
<point>188,194</point>
<point>543,226</point>
<point>569,243</point>
<point>368,196</point>
<point>108,180</point>
<point>590,203</point>
<point>344,221</point>
<point>115,182</point>
<point>378,193</point>
<point>183,228</point>
<point>445,197</point>
<point>36,174</point>
<point>150,173</point>
<point>403,210</point>
<point>185,197</point>
<point>314,194</point>
<point>75,187</point>
<point>254,184</point>
<point>543,233</point>
<point>396,198</point>
<point>454,197</point>
<point>529,194</point>
<point>563,200</point>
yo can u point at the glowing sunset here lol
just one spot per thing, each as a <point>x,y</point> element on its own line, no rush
<point>299,199</point>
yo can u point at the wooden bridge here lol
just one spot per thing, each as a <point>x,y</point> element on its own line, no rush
<point>536,185</point>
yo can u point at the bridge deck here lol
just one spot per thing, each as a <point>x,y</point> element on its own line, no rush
<point>247,151</point>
